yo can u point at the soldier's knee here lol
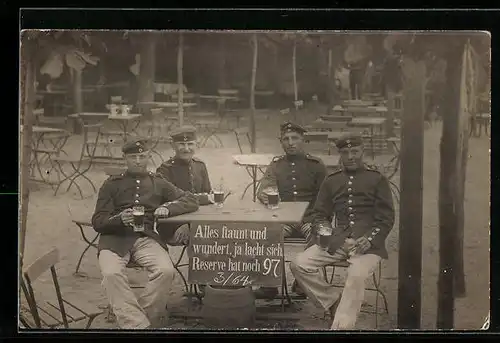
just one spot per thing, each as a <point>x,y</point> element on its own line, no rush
<point>111,271</point>
<point>298,263</point>
<point>110,265</point>
<point>165,271</point>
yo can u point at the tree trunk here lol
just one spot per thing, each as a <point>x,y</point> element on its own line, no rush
<point>29,96</point>
<point>448,181</point>
<point>410,230</point>
<point>222,63</point>
<point>390,113</point>
<point>146,89</point>
<point>180,79</point>
<point>77,91</point>
<point>294,71</point>
<point>255,45</point>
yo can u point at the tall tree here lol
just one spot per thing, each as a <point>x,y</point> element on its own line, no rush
<point>255,46</point>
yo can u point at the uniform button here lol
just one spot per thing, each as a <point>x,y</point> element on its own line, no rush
<point>293,163</point>
<point>293,178</point>
<point>294,193</point>
<point>137,201</point>
<point>351,177</point>
<point>349,189</point>
<point>138,181</point>
<point>294,186</point>
<point>293,171</point>
<point>377,229</point>
<point>349,201</point>
<point>137,187</point>
<point>374,233</point>
<point>370,239</point>
<point>350,195</point>
<point>351,215</point>
<point>137,195</point>
<point>349,183</point>
<point>350,208</point>
<point>351,223</point>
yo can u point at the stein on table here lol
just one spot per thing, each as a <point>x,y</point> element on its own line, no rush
<point>272,198</point>
<point>219,198</point>
<point>324,236</point>
<point>138,213</point>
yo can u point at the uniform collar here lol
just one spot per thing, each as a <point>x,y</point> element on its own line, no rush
<point>136,174</point>
<point>180,161</point>
<point>296,157</point>
<point>351,172</point>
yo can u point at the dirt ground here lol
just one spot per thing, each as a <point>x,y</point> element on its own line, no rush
<point>49,224</point>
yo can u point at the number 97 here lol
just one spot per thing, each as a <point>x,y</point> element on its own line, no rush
<point>271,264</point>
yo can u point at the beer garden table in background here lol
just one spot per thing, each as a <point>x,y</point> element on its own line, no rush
<point>58,143</point>
<point>371,123</point>
<point>240,244</point>
<point>256,162</point>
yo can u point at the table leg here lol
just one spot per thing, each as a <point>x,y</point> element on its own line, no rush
<point>372,142</point>
<point>254,182</point>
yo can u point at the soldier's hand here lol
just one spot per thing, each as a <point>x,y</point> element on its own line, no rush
<point>127,217</point>
<point>161,212</point>
<point>362,245</point>
<point>263,198</point>
<point>211,198</point>
<point>181,235</point>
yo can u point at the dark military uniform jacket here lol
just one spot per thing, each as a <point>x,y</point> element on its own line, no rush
<point>298,178</point>
<point>362,203</point>
<point>126,190</point>
<point>189,176</point>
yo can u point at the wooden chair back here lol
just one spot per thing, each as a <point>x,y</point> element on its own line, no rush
<point>43,264</point>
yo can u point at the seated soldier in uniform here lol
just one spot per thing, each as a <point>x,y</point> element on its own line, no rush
<point>297,176</point>
<point>356,201</point>
<point>122,239</point>
<point>187,172</point>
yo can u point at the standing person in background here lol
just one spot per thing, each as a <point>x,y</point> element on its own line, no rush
<point>357,57</point>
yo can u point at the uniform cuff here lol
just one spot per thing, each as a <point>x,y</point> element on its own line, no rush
<point>371,235</point>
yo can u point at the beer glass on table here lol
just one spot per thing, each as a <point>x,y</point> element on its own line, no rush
<point>272,198</point>
<point>219,197</point>
<point>138,213</point>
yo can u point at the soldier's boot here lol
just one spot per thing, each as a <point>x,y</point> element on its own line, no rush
<point>266,292</point>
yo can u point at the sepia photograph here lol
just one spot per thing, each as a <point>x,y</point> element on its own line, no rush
<point>254,180</point>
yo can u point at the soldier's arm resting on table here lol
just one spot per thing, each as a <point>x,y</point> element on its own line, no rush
<point>268,180</point>
<point>103,219</point>
<point>383,215</point>
<point>322,210</point>
<point>177,201</point>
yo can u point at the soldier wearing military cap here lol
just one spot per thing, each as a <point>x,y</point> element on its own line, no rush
<point>120,242</point>
<point>187,172</point>
<point>356,201</point>
<point>297,176</point>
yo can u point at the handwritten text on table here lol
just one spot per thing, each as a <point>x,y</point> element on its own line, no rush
<point>235,254</point>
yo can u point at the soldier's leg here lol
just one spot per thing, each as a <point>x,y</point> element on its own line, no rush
<point>360,268</point>
<point>307,270</point>
<point>128,312</point>
<point>271,292</point>
<point>149,254</point>
<point>306,231</point>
